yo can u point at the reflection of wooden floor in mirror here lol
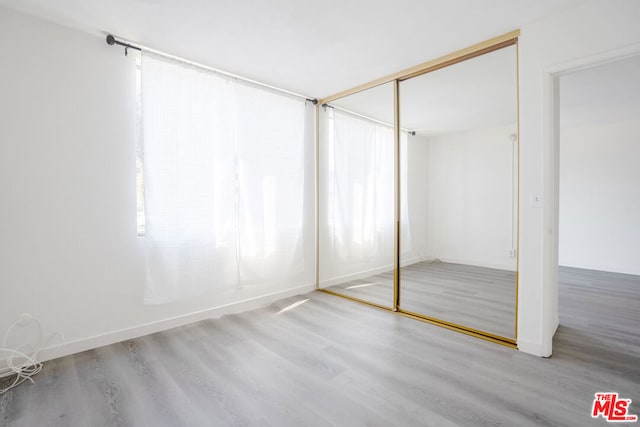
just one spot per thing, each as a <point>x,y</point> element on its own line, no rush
<point>476,297</point>
<point>377,289</point>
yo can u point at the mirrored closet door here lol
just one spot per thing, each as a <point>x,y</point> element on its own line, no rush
<point>356,196</point>
<point>459,181</point>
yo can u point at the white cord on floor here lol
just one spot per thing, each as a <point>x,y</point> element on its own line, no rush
<point>23,361</point>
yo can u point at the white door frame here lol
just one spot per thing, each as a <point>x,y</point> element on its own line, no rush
<point>551,166</point>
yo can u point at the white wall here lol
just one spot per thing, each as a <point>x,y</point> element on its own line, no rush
<point>590,32</point>
<point>600,197</point>
<point>69,254</point>
<point>470,197</point>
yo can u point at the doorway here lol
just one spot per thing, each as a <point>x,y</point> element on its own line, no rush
<point>598,147</point>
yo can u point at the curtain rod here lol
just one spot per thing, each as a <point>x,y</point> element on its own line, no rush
<point>371,119</point>
<point>111,40</point>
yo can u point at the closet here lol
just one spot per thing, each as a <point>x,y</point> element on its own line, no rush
<point>418,191</point>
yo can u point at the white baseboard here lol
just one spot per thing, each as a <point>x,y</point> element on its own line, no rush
<point>355,276</point>
<point>497,266</point>
<point>162,325</point>
<point>534,348</point>
<point>632,270</point>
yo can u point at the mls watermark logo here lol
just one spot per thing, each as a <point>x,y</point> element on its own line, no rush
<point>612,408</point>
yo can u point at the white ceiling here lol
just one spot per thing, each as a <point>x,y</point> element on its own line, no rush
<point>313,47</point>
<point>602,94</point>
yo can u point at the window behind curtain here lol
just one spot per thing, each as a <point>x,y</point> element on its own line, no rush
<point>224,184</point>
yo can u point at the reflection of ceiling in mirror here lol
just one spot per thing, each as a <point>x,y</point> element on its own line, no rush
<point>475,94</point>
<point>376,103</point>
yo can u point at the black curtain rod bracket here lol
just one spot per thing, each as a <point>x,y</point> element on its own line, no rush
<point>111,40</point>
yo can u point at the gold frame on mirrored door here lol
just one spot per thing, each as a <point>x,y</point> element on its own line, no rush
<point>470,52</point>
<point>396,194</point>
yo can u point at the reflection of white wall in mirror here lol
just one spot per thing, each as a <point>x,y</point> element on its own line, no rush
<point>414,198</point>
<point>471,199</point>
<point>599,197</point>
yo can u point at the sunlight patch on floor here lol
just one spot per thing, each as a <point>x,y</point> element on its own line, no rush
<point>292,306</point>
<point>361,286</point>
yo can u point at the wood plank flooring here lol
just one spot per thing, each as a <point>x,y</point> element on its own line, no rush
<point>333,362</point>
<point>476,297</point>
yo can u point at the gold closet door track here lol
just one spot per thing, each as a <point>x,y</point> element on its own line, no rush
<point>507,342</point>
<point>441,62</point>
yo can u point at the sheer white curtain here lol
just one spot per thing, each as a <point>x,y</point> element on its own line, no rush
<point>270,156</point>
<point>357,197</point>
<point>224,184</point>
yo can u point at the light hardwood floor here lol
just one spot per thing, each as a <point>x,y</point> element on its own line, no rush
<point>476,297</point>
<point>330,361</point>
